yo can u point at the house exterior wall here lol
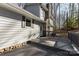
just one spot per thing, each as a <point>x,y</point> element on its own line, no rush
<point>11,32</point>
<point>38,11</point>
<point>34,10</point>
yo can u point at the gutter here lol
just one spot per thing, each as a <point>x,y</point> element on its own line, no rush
<point>20,11</point>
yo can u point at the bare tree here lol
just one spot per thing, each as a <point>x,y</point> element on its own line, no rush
<point>54,9</point>
<point>59,16</point>
<point>78,15</point>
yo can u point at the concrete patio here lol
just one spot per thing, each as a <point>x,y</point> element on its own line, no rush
<point>28,50</point>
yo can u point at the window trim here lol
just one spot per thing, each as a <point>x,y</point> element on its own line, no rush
<point>24,20</point>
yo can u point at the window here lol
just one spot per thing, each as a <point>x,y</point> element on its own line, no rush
<point>28,22</point>
<point>23,22</point>
<point>32,23</point>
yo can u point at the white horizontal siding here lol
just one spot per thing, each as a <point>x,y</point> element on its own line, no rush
<point>11,32</point>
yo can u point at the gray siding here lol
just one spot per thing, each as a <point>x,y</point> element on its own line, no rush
<point>34,9</point>
<point>10,14</point>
